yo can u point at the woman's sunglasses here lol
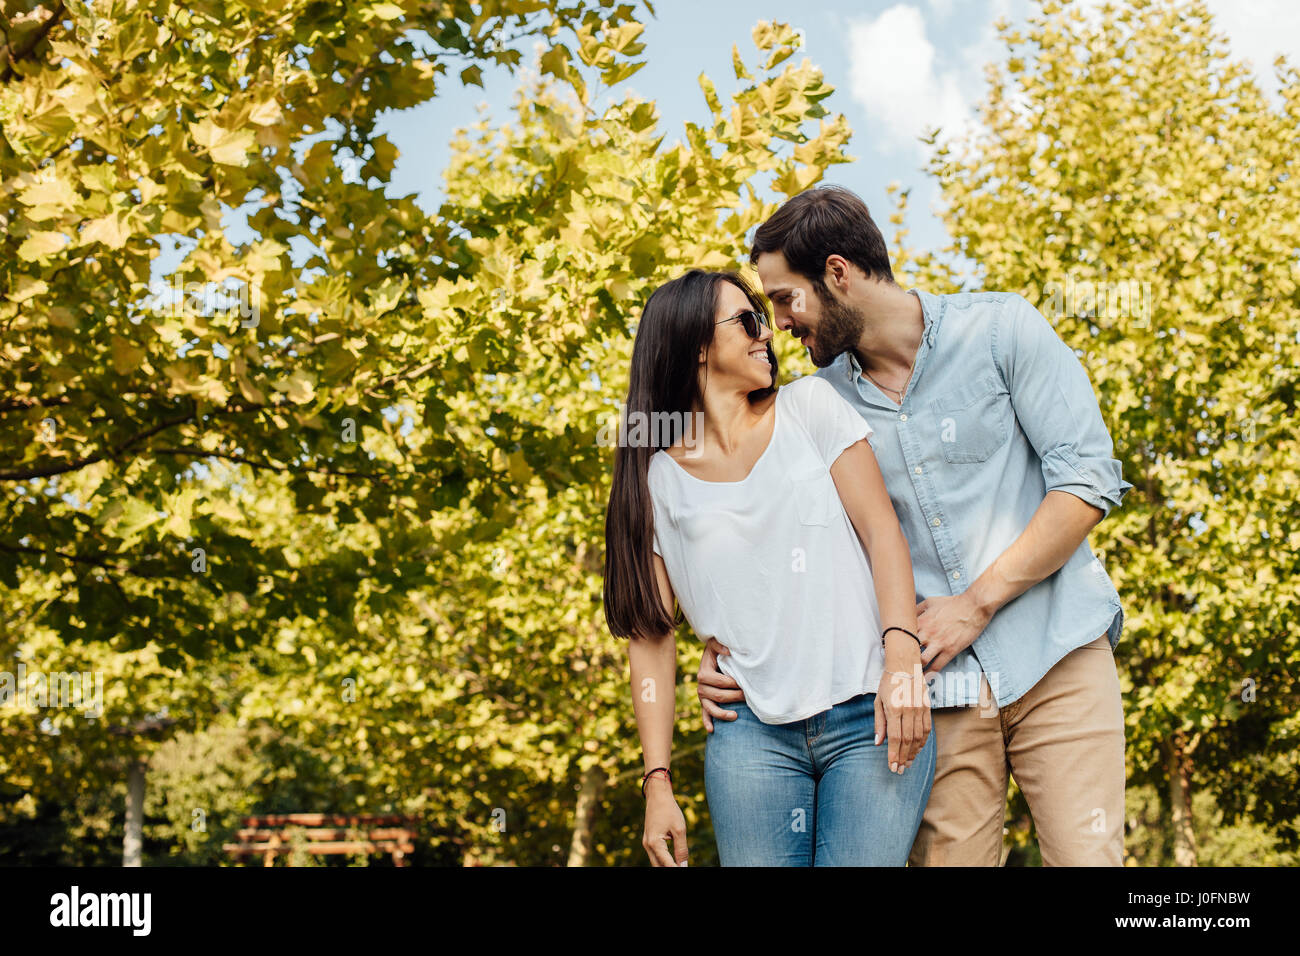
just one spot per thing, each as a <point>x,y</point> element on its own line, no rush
<point>753,321</point>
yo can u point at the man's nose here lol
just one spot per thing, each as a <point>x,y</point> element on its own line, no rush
<point>784,321</point>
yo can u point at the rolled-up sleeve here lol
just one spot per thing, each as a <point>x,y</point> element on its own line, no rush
<point>1056,407</point>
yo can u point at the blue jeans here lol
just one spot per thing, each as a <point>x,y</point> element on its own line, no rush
<point>815,792</point>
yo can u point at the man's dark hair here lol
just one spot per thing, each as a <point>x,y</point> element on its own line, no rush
<point>821,222</point>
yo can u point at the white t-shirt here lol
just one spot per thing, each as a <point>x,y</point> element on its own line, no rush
<point>771,565</point>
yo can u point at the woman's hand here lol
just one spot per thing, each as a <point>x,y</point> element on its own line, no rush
<point>903,706</point>
<point>663,821</point>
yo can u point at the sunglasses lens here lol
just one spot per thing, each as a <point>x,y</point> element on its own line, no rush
<point>754,321</point>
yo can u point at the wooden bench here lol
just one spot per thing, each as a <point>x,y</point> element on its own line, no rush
<point>326,834</point>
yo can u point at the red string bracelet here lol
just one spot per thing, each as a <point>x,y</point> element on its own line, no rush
<point>646,776</point>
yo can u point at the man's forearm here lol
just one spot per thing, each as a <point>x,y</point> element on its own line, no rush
<point>1055,531</point>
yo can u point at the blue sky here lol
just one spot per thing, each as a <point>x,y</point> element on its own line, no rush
<point>687,38</point>
<point>897,68</point>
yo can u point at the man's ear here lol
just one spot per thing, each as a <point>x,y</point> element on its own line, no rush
<point>837,273</point>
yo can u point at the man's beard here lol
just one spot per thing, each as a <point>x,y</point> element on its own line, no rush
<point>839,330</point>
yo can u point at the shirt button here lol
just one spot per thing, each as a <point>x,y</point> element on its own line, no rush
<point>936,522</point>
<point>902,417</point>
<point>917,469</point>
<point>956,575</point>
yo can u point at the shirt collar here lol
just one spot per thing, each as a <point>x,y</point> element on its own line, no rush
<point>932,307</point>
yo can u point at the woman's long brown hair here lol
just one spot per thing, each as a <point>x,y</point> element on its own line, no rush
<point>676,323</point>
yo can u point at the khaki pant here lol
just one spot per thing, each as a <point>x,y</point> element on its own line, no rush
<point>1063,742</point>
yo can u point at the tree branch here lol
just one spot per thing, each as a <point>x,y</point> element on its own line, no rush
<point>36,38</point>
<point>101,561</point>
<point>47,471</point>
<point>23,404</point>
<point>401,376</point>
<point>193,452</point>
<point>75,558</point>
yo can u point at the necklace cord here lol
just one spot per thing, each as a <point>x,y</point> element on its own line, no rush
<point>896,391</point>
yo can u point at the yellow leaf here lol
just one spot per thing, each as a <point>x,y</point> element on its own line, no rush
<point>49,192</point>
<point>299,386</point>
<point>110,230</point>
<point>228,147</point>
<point>41,244</point>
<point>27,287</point>
<point>266,114</point>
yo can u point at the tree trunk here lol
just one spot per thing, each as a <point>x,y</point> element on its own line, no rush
<point>1178,764</point>
<point>133,841</point>
<point>584,816</point>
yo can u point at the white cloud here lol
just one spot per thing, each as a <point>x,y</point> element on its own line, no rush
<point>905,85</point>
<point>895,76</point>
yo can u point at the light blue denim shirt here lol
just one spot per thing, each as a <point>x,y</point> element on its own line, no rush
<point>998,412</point>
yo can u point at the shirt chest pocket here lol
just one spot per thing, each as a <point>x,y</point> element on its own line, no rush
<point>973,421</point>
<point>814,495</point>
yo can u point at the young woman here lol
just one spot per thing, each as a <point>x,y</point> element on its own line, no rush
<point>763,514</point>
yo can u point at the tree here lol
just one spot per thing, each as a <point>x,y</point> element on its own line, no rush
<point>573,216</point>
<point>164,460</point>
<point>1141,188</point>
<point>360,506</point>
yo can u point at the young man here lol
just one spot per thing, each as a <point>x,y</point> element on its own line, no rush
<point>998,463</point>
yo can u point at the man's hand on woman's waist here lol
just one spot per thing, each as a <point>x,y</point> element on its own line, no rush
<point>715,687</point>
